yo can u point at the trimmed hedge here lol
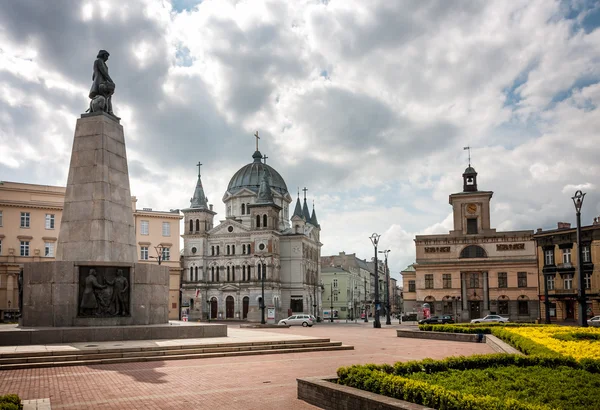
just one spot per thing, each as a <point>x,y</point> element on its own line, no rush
<point>392,381</point>
<point>10,402</point>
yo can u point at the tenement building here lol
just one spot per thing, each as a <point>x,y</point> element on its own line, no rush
<point>473,270</point>
<point>226,264</point>
<point>558,276</point>
<point>30,218</point>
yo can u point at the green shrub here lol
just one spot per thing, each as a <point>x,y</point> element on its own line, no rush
<point>576,336</point>
<point>10,402</point>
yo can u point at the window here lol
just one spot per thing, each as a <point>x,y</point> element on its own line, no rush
<point>196,275</point>
<point>523,307</point>
<point>471,226</point>
<point>228,249</point>
<point>447,278</point>
<point>243,249</point>
<point>552,309</point>
<point>191,225</point>
<point>144,253</point>
<point>264,221</point>
<point>212,250</point>
<point>166,229</point>
<point>24,248</point>
<point>144,228</point>
<point>429,281</point>
<point>258,221</point>
<point>335,297</point>
<point>233,249</point>
<point>218,250</point>
<point>587,280</point>
<point>0,218</point>
<point>585,253</point>
<point>24,219</point>
<point>550,282</point>
<point>228,274</point>
<point>474,280</point>
<point>473,251</point>
<point>49,250</point>
<point>212,274</point>
<point>566,255</point>
<point>0,246</point>
<point>243,209</point>
<point>522,279</point>
<point>447,308</point>
<point>244,272</point>
<point>166,254</point>
<point>568,282</point>
<point>233,273</point>
<point>49,221</point>
<point>411,286</point>
<point>503,307</point>
<point>197,225</point>
<point>335,283</point>
<point>549,257</point>
<point>218,273</point>
<point>502,280</point>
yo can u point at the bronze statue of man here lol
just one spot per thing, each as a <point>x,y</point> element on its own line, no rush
<point>89,304</point>
<point>103,87</point>
<point>120,296</point>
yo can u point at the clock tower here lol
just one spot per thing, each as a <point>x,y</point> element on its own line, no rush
<point>471,207</point>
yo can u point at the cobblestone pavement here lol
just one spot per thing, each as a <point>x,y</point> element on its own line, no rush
<point>251,382</point>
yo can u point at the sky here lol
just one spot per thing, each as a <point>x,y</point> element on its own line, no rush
<point>367,104</point>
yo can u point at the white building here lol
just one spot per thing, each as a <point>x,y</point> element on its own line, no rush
<point>223,264</point>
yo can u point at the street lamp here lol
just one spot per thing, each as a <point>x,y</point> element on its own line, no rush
<point>365,305</point>
<point>159,252</point>
<point>375,240</point>
<point>262,266</point>
<point>388,319</point>
<point>578,202</point>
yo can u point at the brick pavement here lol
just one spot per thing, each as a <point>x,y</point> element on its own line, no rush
<point>252,382</point>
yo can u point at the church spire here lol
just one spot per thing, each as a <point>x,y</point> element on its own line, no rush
<point>305,212</point>
<point>313,217</point>
<point>199,200</point>
<point>298,209</point>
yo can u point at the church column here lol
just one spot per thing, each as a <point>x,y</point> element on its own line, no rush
<point>486,294</point>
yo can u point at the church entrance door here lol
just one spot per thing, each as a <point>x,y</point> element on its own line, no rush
<point>213,308</point>
<point>229,307</point>
<point>475,310</point>
<point>246,303</point>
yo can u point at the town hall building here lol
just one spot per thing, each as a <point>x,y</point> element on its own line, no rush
<point>224,265</point>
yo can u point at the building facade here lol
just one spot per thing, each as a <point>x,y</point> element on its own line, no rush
<point>473,270</point>
<point>343,291</point>
<point>224,265</point>
<point>30,218</point>
<point>558,275</point>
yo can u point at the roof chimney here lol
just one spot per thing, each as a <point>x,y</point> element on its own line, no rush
<point>564,225</point>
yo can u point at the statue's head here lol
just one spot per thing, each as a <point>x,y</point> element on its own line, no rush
<point>103,54</point>
<point>119,272</point>
<point>93,272</point>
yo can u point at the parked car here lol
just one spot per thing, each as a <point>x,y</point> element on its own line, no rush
<point>595,321</point>
<point>491,319</point>
<point>304,320</point>
<point>433,320</point>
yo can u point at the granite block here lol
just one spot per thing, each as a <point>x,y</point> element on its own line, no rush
<point>117,162</point>
<point>46,336</point>
<point>159,314</point>
<point>40,294</point>
<point>191,332</point>
<point>101,251</point>
<point>63,315</point>
<point>15,338</point>
<point>38,316</point>
<point>137,333</point>
<point>64,272</point>
<point>215,330</point>
<point>90,126</point>
<point>141,313</point>
<point>76,334</point>
<point>164,332</point>
<point>64,293</point>
<point>141,273</point>
<point>87,142</point>
<point>100,230</point>
<point>159,295</point>
<point>108,334</point>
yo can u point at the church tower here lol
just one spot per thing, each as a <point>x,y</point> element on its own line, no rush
<point>198,220</point>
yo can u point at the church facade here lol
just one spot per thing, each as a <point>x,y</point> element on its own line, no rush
<point>257,245</point>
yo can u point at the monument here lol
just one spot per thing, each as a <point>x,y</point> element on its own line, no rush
<point>96,289</point>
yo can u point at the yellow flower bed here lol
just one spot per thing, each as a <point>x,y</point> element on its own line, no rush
<point>579,349</point>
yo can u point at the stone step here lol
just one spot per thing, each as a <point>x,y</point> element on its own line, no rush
<point>165,352</point>
<point>87,361</point>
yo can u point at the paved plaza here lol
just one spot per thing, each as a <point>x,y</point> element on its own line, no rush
<point>251,382</point>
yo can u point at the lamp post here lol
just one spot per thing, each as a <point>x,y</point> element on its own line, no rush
<point>578,202</point>
<point>388,319</point>
<point>375,240</point>
<point>261,260</point>
<point>366,315</point>
<point>159,252</point>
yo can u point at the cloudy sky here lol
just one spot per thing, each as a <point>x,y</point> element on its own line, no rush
<point>366,103</point>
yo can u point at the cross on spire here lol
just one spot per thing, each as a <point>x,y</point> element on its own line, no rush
<point>468,149</point>
<point>257,138</point>
<point>198,165</point>
<point>305,192</point>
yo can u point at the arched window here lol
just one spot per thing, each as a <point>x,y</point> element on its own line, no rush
<point>244,273</point>
<point>258,221</point>
<point>233,249</point>
<point>259,271</point>
<point>249,275</point>
<point>228,273</point>
<point>243,249</point>
<point>228,249</point>
<point>197,225</point>
<point>473,251</point>
<point>191,225</point>
<point>212,250</point>
<point>196,276</point>
<point>191,273</point>
<point>217,274</point>
<point>264,221</point>
<point>264,271</point>
<point>233,273</point>
<point>243,209</point>
<point>218,250</point>
<point>212,276</point>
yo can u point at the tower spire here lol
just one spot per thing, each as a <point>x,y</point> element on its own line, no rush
<point>468,149</point>
<point>305,212</point>
<point>199,199</point>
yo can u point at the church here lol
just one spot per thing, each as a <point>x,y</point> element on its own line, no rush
<point>257,246</point>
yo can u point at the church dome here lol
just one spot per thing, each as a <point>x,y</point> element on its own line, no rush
<point>250,176</point>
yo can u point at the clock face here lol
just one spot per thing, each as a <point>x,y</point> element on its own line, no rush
<point>471,208</point>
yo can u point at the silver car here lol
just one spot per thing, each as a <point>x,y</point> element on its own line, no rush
<point>491,319</point>
<point>594,321</point>
<point>304,320</point>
